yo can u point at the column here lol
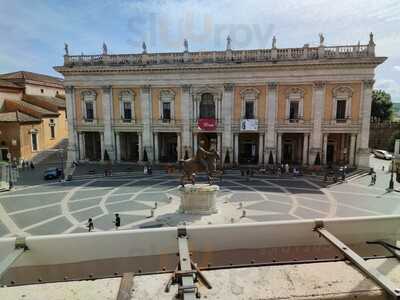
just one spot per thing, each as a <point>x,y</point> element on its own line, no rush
<point>352,149</point>
<point>102,146</point>
<point>260,149</point>
<point>236,142</point>
<point>279,152</point>
<point>107,117</point>
<point>305,149</point>
<point>325,148</point>
<point>226,116</point>
<point>318,101</point>
<point>81,146</point>
<point>219,141</point>
<point>118,146</point>
<point>186,108</point>
<point>156,147</point>
<point>195,140</point>
<point>140,146</point>
<point>72,150</point>
<point>178,147</point>
<point>365,116</point>
<point>147,137</point>
<point>270,116</point>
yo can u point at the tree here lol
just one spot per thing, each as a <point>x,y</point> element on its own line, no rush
<point>382,106</point>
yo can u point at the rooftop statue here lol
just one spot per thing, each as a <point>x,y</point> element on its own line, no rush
<point>371,39</point>
<point>66,49</point>
<point>273,42</point>
<point>144,47</point>
<point>228,43</point>
<point>321,39</point>
<point>186,45</point>
<point>204,160</point>
<point>104,48</point>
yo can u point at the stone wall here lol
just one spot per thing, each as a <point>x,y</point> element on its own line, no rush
<point>381,134</point>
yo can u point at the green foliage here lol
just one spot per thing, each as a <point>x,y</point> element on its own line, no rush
<point>382,106</point>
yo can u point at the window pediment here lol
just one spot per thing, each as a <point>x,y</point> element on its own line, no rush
<point>295,93</point>
<point>342,92</point>
<point>250,94</point>
<point>88,95</point>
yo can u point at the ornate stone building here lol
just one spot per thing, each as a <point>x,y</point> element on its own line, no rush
<point>308,105</point>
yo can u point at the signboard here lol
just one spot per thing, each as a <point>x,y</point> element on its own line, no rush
<point>248,125</point>
<point>207,124</point>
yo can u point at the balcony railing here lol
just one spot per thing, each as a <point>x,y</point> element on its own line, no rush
<point>295,122</point>
<point>229,56</point>
<point>341,122</point>
<point>90,122</point>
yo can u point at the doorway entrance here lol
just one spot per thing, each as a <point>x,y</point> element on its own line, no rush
<point>167,147</point>
<point>248,148</point>
<point>129,146</point>
<point>92,146</point>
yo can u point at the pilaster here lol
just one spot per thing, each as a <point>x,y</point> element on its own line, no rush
<point>227,112</point>
<point>365,115</point>
<point>107,117</point>
<point>147,136</point>
<point>270,134</point>
<point>318,104</point>
<point>72,149</point>
<point>186,108</point>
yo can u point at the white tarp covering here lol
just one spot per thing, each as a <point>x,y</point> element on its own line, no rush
<point>249,125</point>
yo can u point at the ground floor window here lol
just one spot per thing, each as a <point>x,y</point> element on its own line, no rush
<point>92,146</point>
<point>34,138</point>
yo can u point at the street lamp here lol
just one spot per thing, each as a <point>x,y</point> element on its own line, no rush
<point>391,182</point>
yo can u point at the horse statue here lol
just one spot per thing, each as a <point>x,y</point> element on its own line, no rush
<point>192,166</point>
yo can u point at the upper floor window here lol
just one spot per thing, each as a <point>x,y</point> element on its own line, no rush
<point>167,104</point>
<point>89,105</point>
<point>294,110</point>
<point>207,106</point>
<point>249,103</point>
<point>294,104</point>
<point>342,103</point>
<point>249,113</point>
<point>126,104</point>
<point>52,129</point>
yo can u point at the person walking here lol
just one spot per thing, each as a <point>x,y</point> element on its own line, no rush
<point>90,225</point>
<point>373,178</point>
<point>117,221</point>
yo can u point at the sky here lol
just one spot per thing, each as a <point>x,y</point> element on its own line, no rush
<point>34,31</point>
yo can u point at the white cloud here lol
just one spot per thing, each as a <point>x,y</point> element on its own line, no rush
<point>391,86</point>
<point>397,68</point>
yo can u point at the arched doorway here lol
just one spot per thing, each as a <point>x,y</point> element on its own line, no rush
<point>207,106</point>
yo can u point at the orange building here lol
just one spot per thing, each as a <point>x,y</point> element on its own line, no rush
<point>308,105</point>
<point>32,114</point>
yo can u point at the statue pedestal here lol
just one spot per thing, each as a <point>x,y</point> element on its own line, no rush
<point>198,199</point>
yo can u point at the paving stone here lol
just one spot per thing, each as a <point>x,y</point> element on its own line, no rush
<point>56,226</point>
<point>246,196</point>
<point>106,222</point>
<point>91,193</point>
<point>159,197</point>
<point>83,204</point>
<point>13,204</point>
<point>86,214</point>
<point>268,218</point>
<point>269,206</point>
<point>304,213</point>
<point>32,217</point>
<point>127,206</point>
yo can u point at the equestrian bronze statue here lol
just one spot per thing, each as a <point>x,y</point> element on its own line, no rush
<point>203,161</point>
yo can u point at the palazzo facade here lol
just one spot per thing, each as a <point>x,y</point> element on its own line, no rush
<point>308,105</point>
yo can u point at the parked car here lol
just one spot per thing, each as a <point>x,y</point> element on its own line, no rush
<point>383,154</point>
<point>52,173</point>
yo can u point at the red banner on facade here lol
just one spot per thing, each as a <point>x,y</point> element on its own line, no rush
<point>207,124</point>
